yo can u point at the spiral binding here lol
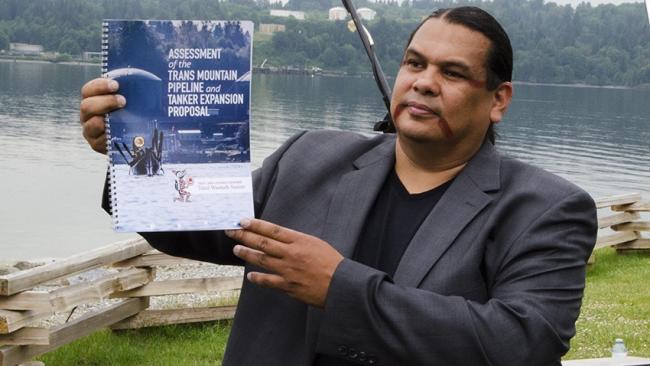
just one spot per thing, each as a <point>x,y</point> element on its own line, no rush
<point>111,167</point>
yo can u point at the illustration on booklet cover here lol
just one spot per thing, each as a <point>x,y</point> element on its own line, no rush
<point>180,149</point>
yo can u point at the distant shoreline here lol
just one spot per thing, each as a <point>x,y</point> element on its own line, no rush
<point>32,61</point>
<point>329,73</point>
<point>580,85</point>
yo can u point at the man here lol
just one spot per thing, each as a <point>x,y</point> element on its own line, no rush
<point>423,248</point>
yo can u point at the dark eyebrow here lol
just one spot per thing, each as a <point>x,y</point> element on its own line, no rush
<point>452,63</point>
<point>414,52</point>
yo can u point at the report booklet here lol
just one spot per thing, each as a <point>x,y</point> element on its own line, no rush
<point>179,152</point>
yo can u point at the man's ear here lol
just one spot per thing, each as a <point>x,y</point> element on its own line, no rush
<point>501,101</point>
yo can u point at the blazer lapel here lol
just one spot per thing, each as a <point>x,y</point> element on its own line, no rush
<point>355,195</point>
<point>462,201</point>
<point>353,199</point>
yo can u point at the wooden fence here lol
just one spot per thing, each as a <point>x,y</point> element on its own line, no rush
<point>127,276</point>
<point>24,305</point>
<point>625,222</point>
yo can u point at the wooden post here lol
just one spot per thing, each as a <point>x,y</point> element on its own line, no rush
<point>626,238</point>
<point>191,285</point>
<point>618,218</point>
<point>25,336</point>
<point>618,238</point>
<point>622,199</point>
<point>638,207</point>
<point>11,321</point>
<point>73,330</point>
<point>636,246</point>
<point>153,258</point>
<point>633,226</point>
<point>24,280</point>
<point>154,318</point>
<point>68,297</point>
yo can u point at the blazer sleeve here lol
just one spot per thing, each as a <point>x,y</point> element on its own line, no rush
<point>214,246</point>
<point>528,320</point>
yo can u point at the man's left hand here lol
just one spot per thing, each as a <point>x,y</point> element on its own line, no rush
<point>301,265</point>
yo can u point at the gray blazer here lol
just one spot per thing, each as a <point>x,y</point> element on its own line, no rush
<point>494,275</point>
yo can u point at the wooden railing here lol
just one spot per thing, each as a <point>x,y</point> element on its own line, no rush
<point>128,277</point>
<point>24,304</point>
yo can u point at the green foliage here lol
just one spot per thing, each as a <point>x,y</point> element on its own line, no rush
<point>4,40</point>
<point>330,45</point>
<point>599,45</point>
<point>62,57</point>
<point>70,47</point>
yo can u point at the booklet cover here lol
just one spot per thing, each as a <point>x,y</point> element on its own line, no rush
<point>179,152</point>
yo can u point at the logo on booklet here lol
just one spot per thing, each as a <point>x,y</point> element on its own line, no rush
<point>181,184</point>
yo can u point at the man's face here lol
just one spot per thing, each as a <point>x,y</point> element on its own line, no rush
<point>440,91</point>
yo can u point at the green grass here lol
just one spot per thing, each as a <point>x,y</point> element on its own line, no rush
<point>196,344</point>
<point>616,305</point>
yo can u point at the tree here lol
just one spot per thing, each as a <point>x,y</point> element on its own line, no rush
<point>4,41</point>
<point>329,58</point>
<point>552,43</point>
<point>70,47</point>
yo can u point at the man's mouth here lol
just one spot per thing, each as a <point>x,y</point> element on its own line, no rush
<point>421,110</point>
<point>416,109</point>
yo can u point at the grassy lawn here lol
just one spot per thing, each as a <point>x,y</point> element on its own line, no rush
<point>616,305</point>
<point>196,344</point>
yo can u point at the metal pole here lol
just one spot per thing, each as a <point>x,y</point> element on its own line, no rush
<point>387,124</point>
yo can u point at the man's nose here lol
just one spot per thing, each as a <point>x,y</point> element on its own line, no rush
<point>428,82</point>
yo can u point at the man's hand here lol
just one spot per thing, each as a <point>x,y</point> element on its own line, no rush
<point>98,99</point>
<point>301,265</point>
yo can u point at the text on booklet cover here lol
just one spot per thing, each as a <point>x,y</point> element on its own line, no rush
<point>180,149</point>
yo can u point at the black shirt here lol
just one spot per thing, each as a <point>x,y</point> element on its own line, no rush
<point>392,222</point>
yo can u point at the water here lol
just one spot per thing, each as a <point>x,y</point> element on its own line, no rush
<point>51,181</point>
